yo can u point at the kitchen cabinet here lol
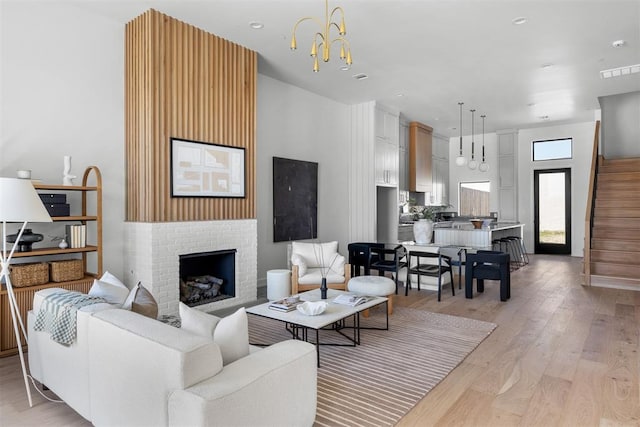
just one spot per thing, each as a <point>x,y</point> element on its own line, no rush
<point>440,176</point>
<point>387,134</point>
<point>403,166</point>
<point>386,163</point>
<point>420,161</point>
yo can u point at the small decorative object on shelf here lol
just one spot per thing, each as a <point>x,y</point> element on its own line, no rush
<point>67,178</point>
<point>63,244</point>
<point>28,238</point>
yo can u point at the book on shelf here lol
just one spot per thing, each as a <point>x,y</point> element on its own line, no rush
<point>283,305</point>
<point>76,235</point>
<point>352,300</point>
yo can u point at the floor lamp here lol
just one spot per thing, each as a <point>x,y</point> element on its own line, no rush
<point>20,203</point>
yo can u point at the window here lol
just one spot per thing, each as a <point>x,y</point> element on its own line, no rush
<point>552,149</point>
<point>474,198</point>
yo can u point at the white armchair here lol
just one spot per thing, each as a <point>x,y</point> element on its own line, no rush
<point>309,261</point>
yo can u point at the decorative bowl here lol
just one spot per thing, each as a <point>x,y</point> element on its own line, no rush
<point>477,223</point>
<point>312,308</point>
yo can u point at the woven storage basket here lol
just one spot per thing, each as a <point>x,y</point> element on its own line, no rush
<point>29,274</point>
<point>69,269</point>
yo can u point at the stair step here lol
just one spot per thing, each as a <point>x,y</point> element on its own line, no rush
<point>615,270</point>
<point>618,194</point>
<point>617,256</point>
<point>625,202</point>
<point>617,212</point>
<point>617,185</point>
<point>615,245</point>
<point>615,233</point>
<point>629,162</point>
<point>615,282</point>
<point>619,176</point>
<point>628,223</point>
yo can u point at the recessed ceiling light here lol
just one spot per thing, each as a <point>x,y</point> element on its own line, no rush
<point>345,68</point>
<point>618,43</point>
<point>360,76</point>
<point>399,95</point>
<point>546,66</point>
<point>519,21</point>
<point>531,104</point>
<point>256,25</point>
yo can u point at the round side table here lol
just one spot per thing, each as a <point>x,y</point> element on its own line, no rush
<point>278,284</point>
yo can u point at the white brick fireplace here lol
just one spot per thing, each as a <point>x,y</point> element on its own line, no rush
<point>152,252</point>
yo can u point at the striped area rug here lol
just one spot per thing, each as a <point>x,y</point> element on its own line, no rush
<point>379,381</point>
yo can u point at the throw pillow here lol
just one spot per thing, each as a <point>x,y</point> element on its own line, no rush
<point>230,333</point>
<point>110,278</point>
<point>141,301</point>
<point>196,321</point>
<point>302,265</point>
<point>113,294</point>
<point>337,264</point>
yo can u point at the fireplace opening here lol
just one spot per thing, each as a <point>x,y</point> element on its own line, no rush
<point>207,277</point>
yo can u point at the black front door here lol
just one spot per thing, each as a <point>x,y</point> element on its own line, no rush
<point>552,190</point>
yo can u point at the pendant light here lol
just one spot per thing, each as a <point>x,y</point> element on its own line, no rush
<point>472,163</point>
<point>460,160</point>
<point>484,166</point>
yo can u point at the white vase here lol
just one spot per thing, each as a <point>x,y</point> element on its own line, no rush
<point>422,231</point>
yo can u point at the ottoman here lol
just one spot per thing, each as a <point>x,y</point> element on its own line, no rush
<point>379,286</point>
<point>278,284</point>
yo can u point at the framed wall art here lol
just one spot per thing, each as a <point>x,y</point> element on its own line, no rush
<point>200,169</point>
<point>295,200</point>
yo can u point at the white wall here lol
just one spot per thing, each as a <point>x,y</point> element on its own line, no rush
<point>62,93</point>
<point>297,124</point>
<point>582,134</point>
<point>621,125</point>
<point>458,174</point>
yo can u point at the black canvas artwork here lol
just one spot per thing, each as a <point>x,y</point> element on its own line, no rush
<point>295,200</point>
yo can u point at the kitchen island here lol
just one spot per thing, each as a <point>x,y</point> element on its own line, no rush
<point>465,235</point>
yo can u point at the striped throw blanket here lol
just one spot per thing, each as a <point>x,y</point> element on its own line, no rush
<point>57,314</point>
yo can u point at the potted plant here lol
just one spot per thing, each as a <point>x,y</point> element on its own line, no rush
<point>423,225</point>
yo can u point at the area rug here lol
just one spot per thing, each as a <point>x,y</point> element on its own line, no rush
<point>379,381</point>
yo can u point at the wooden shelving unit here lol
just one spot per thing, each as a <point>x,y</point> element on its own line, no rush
<point>24,295</point>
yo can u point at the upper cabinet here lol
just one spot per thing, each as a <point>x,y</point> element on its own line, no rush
<point>420,153</point>
<point>387,131</point>
<point>440,193</point>
<point>403,179</point>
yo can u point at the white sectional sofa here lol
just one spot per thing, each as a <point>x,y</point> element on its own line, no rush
<point>125,369</point>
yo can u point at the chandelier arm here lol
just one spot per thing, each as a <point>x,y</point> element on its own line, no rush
<point>340,39</point>
<point>335,9</point>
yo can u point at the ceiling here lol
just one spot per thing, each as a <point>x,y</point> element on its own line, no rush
<point>437,53</point>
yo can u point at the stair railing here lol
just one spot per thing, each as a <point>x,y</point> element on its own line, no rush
<point>588,220</point>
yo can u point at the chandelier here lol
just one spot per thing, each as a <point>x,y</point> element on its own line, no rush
<point>322,40</point>
<point>461,160</point>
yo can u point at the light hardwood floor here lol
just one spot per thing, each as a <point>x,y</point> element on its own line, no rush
<point>562,354</point>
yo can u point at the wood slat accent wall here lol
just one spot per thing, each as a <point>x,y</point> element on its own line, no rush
<point>183,82</point>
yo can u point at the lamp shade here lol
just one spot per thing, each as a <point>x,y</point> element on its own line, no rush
<point>19,202</point>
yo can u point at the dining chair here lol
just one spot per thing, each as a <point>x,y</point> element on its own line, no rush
<point>492,265</point>
<point>388,259</point>
<point>430,264</point>
<point>359,257</point>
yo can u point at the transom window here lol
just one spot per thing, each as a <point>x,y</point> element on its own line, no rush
<point>552,149</point>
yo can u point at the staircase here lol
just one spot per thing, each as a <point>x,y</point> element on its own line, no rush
<point>615,236</point>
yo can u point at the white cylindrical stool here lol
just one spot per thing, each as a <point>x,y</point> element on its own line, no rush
<point>379,286</point>
<point>278,284</point>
